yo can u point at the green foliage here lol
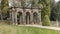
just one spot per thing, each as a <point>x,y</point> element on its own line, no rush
<point>34,3</point>
<point>52,3</point>
<point>46,21</point>
<point>46,9</point>
<point>4,6</point>
<point>23,3</point>
<point>56,11</point>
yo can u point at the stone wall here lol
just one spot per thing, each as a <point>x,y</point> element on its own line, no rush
<point>25,16</point>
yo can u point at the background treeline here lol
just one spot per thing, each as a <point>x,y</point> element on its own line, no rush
<point>55,11</point>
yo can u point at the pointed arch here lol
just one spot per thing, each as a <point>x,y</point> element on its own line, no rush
<point>35,17</point>
<point>20,18</point>
<point>27,18</point>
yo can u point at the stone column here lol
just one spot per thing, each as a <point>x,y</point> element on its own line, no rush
<point>16,18</point>
<point>40,16</point>
<point>31,17</point>
<point>12,17</point>
<point>24,18</point>
<point>38,19</point>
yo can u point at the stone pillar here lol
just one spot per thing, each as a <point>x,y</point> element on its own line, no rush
<point>12,17</point>
<point>40,16</point>
<point>24,18</point>
<point>38,21</point>
<point>31,17</point>
<point>16,18</point>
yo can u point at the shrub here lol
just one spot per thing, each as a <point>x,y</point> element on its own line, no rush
<point>46,21</point>
<point>4,22</point>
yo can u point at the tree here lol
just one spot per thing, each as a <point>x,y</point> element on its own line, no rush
<point>52,16</point>
<point>57,12</point>
<point>46,21</point>
<point>34,3</point>
<point>4,7</point>
<point>52,3</point>
<point>46,9</point>
<point>23,3</point>
<point>14,3</point>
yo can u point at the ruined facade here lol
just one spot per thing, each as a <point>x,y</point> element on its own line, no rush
<point>25,15</point>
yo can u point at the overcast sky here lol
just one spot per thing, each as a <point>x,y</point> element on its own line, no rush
<point>56,0</point>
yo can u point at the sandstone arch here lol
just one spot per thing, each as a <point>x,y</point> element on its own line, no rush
<point>27,18</point>
<point>20,18</point>
<point>35,17</point>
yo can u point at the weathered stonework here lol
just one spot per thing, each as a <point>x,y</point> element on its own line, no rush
<point>25,16</point>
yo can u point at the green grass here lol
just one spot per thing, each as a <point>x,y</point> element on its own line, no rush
<point>12,29</point>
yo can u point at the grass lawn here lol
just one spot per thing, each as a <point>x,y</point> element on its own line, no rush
<point>11,29</point>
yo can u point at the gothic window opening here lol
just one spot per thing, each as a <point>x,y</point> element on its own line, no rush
<point>20,18</point>
<point>35,18</point>
<point>27,18</point>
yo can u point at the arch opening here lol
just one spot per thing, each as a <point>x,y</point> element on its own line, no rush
<point>20,18</point>
<point>35,18</point>
<point>27,18</point>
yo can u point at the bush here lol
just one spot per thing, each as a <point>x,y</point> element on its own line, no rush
<point>46,21</point>
<point>4,22</point>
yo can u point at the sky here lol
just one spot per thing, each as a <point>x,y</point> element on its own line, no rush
<point>56,0</point>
